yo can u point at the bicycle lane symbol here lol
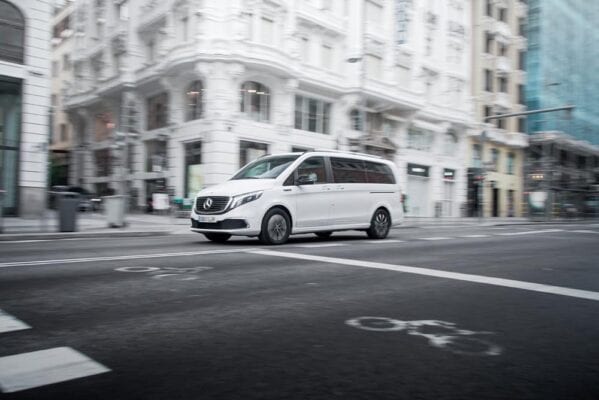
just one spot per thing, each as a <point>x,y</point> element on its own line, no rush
<point>440,334</point>
<point>180,274</point>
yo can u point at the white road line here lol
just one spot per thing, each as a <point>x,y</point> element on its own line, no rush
<point>435,238</point>
<point>317,245</point>
<point>44,367</point>
<point>8,323</point>
<point>510,283</point>
<point>584,231</point>
<point>24,241</point>
<point>530,232</point>
<point>475,236</point>
<point>386,241</point>
<point>117,258</point>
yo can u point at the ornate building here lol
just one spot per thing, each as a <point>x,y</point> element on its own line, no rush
<point>24,104</point>
<point>175,95</point>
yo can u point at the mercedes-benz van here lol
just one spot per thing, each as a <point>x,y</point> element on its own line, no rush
<point>313,192</point>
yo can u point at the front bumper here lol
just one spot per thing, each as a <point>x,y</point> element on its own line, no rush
<point>235,222</point>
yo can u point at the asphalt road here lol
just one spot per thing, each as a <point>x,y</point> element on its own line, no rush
<point>455,312</point>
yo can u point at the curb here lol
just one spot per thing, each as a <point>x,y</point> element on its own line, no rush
<point>79,235</point>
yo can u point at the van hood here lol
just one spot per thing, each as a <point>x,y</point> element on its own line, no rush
<point>237,187</point>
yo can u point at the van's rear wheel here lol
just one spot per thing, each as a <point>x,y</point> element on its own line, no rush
<point>276,227</point>
<point>379,225</point>
<point>217,237</point>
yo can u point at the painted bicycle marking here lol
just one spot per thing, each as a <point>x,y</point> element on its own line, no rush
<point>180,274</point>
<point>440,334</point>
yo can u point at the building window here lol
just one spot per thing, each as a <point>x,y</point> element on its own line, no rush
<point>150,50</point>
<point>503,14</point>
<point>374,66</point>
<point>503,49</point>
<point>250,151</point>
<point>193,169</point>
<point>503,84</point>
<point>12,33</point>
<point>122,10</point>
<point>521,94</point>
<point>184,28</point>
<point>488,111</point>
<point>489,8</point>
<point>66,62</point>
<point>500,123</point>
<point>267,33</point>
<point>156,156</point>
<point>419,139</point>
<point>103,162</point>
<point>374,13</point>
<point>450,144</point>
<point>522,27</point>
<point>55,67</point>
<point>418,170</point>
<point>195,101</point>
<point>522,125</point>
<point>255,101</point>
<point>510,163</point>
<point>312,114</point>
<point>327,56</point>
<point>488,80</point>
<point>476,156</point>
<point>488,42</point>
<point>356,120</point>
<point>305,43</point>
<point>495,158</point>
<point>64,133</point>
<point>157,111</point>
<point>522,60</point>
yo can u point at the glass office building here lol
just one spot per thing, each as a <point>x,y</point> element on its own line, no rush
<point>562,66</point>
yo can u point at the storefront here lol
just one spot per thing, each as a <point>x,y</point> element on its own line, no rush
<point>10,137</point>
<point>418,190</point>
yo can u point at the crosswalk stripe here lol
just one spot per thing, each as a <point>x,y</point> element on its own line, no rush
<point>530,232</point>
<point>317,245</point>
<point>435,238</point>
<point>475,236</point>
<point>44,367</point>
<point>384,241</point>
<point>584,231</point>
<point>8,323</point>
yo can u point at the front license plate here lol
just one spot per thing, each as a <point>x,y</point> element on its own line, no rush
<point>206,219</point>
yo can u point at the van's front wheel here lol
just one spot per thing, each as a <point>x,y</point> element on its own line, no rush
<point>276,227</point>
<point>379,225</point>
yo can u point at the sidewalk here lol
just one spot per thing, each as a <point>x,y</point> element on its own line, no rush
<point>94,225</point>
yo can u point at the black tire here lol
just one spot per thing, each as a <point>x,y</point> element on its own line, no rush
<point>217,237</point>
<point>276,227</point>
<point>324,235</point>
<point>380,224</point>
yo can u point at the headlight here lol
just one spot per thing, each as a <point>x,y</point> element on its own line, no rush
<point>245,198</point>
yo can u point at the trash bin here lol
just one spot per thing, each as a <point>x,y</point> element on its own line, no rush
<point>68,205</point>
<point>114,207</point>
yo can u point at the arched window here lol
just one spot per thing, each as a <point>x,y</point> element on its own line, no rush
<point>12,33</point>
<point>255,101</point>
<point>195,101</point>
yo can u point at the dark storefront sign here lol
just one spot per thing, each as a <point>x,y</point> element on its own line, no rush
<point>418,170</point>
<point>449,174</point>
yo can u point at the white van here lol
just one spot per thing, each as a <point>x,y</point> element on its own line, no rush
<point>313,192</point>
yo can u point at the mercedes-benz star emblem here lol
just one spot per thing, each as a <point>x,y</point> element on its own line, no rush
<point>207,204</point>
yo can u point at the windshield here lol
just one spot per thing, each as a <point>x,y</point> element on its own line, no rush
<point>266,168</point>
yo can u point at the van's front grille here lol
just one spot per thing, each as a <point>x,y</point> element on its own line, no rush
<point>212,204</point>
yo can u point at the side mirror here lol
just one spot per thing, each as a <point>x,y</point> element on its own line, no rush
<point>306,179</point>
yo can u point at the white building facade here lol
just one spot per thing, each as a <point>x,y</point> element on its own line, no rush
<point>24,104</point>
<point>173,96</point>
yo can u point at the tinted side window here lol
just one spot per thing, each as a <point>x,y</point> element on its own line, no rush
<point>379,173</point>
<point>314,165</point>
<point>346,170</point>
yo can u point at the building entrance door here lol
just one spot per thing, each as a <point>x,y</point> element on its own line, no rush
<point>495,202</point>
